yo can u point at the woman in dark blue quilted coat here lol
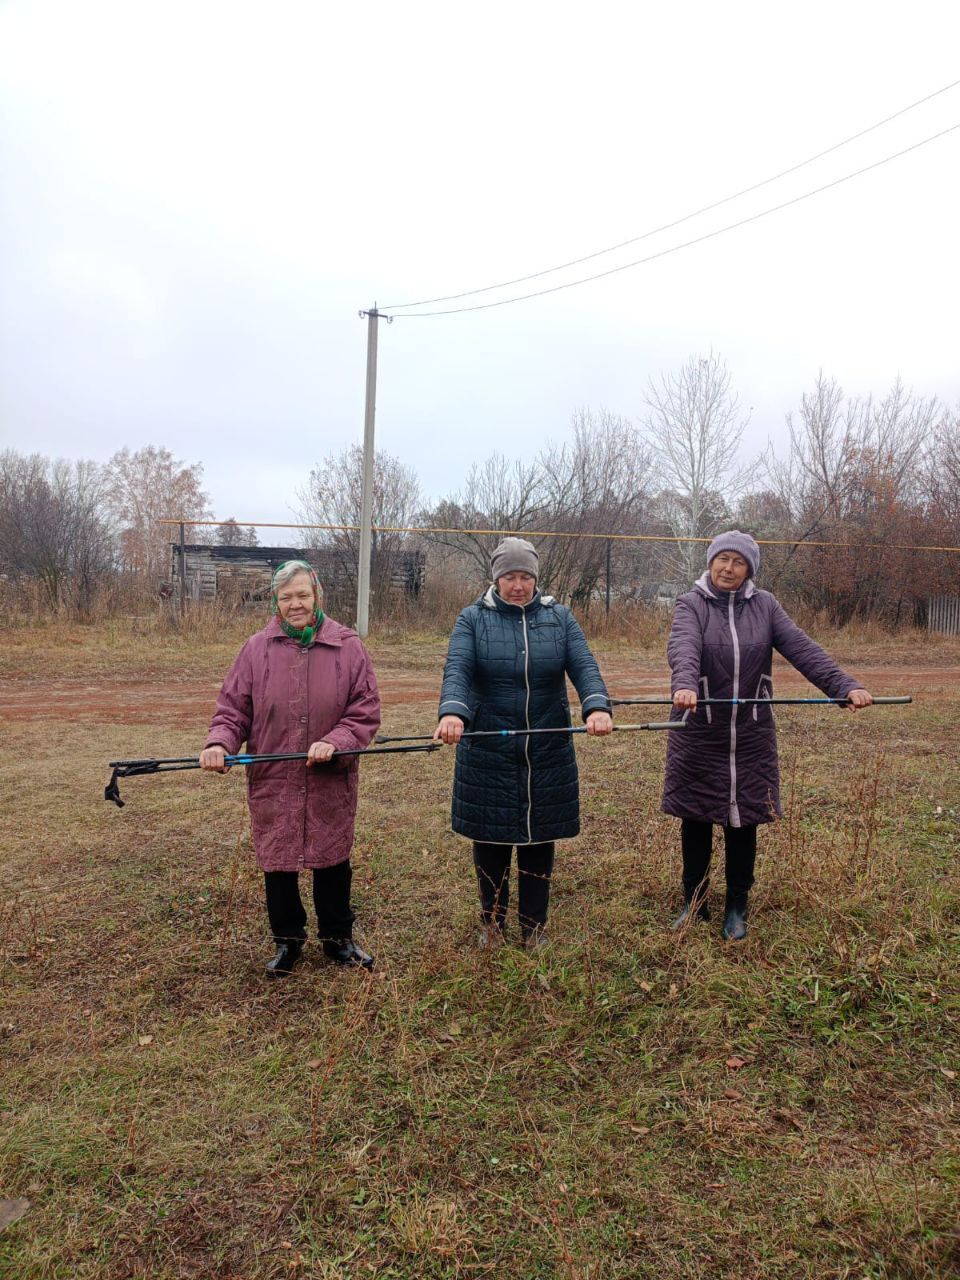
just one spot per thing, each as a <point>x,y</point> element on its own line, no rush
<point>723,769</point>
<point>509,656</point>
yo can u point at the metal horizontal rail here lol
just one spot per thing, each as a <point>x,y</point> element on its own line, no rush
<point>554,533</point>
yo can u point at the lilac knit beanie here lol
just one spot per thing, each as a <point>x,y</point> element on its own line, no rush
<point>741,543</point>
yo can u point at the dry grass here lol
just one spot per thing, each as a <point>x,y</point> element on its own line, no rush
<point>626,1104</point>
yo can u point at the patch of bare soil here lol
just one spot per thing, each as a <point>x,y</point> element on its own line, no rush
<point>184,702</point>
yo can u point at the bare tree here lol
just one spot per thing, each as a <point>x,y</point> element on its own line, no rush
<point>853,476</point>
<point>694,427</point>
<point>332,496</point>
<point>941,480</point>
<point>942,470</point>
<point>143,488</point>
<point>809,482</point>
<point>842,450</point>
<point>592,484</point>
<point>231,534</point>
<point>54,529</point>
<point>498,495</point>
<point>596,483</point>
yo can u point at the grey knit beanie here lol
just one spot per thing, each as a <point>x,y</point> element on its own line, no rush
<point>741,543</point>
<point>514,555</point>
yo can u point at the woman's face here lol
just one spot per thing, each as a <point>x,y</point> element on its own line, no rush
<point>728,571</point>
<point>517,587</point>
<point>296,600</point>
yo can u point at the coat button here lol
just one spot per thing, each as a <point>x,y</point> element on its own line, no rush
<point>303,719</point>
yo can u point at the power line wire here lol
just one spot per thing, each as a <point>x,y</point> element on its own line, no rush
<point>686,244</point>
<point>668,226</point>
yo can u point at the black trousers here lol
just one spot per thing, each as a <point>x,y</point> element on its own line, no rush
<point>534,868</point>
<point>696,841</point>
<point>331,898</point>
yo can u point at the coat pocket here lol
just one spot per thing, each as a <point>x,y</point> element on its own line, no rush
<point>547,639</point>
<point>268,816</point>
<point>474,725</point>
<point>764,690</point>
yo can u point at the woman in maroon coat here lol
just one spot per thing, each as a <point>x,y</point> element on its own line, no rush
<point>303,683</point>
<point>723,767</point>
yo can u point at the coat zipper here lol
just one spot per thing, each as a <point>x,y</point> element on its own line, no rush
<point>526,712</point>
<point>306,701</point>
<point>734,813</point>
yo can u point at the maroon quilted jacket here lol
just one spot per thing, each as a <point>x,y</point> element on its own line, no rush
<point>280,696</point>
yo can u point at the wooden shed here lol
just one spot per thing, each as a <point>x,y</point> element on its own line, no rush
<point>241,575</point>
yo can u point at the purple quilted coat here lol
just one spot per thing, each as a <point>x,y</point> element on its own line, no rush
<point>723,767</point>
<point>280,696</point>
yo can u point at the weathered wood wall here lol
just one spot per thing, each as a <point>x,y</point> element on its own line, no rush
<point>242,574</point>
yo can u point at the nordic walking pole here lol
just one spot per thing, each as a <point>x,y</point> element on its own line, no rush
<point>529,733</point>
<point>139,768</point>
<point>780,702</point>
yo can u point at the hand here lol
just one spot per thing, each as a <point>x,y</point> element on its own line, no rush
<point>599,723</point>
<point>686,699</point>
<point>449,730</point>
<point>212,760</point>
<point>320,753</point>
<point>858,698</point>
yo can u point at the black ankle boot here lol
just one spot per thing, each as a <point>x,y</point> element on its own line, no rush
<point>491,936</point>
<point>288,954</point>
<point>534,937</point>
<point>346,952</point>
<point>700,913</point>
<point>735,919</point>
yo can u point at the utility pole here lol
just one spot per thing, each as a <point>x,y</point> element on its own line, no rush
<point>366,500</point>
<point>183,572</point>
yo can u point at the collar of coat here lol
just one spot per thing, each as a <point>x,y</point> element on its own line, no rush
<point>491,599</point>
<point>743,592</point>
<point>330,632</point>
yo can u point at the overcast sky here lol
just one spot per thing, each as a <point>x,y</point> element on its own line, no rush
<point>197,198</point>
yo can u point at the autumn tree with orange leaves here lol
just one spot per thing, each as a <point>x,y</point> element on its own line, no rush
<point>141,489</point>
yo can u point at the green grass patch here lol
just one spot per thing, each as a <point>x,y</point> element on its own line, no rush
<point>627,1103</point>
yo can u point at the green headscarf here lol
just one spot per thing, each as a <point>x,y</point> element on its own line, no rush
<point>305,634</point>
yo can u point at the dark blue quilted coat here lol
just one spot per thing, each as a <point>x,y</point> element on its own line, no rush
<point>506,669</point>
<point>722,767</point>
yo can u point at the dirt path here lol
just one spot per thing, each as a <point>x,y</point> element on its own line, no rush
<point>187,702</point>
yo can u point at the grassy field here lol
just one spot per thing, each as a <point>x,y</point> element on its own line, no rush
<point>627,1103</point>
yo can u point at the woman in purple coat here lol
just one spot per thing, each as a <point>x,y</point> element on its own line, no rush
<point>303,683</point>
<point>723,767</point>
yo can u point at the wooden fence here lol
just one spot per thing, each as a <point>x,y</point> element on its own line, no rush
<point>943,615</point>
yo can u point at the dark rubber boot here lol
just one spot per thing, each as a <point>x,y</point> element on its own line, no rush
<point>534,939</point>
<point>700,911</point>
<point>735,919</point>
<point>288,955</point>
<point>347,953</point>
